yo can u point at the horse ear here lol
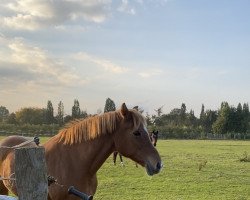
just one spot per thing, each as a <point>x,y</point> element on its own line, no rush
<point>136,108</point>
<point>124,110</point>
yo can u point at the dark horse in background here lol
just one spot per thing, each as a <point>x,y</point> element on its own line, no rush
<point>153,138</point>
<point>77,152</point>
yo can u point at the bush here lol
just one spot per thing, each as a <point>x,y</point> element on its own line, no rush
<point>28,129</point>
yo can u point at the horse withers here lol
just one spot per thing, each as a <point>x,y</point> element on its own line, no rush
<point>75,154</point>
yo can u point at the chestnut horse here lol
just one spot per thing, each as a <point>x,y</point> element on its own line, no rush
<point>75,154</point>
<point>153,138</point>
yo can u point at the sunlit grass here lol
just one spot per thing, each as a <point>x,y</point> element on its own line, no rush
<point>222,177</point>
<point>193,169</point>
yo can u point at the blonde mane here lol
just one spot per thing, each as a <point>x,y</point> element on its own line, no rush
<point>90,128</point>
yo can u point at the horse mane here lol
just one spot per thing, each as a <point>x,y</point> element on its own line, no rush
<point>80,130</point>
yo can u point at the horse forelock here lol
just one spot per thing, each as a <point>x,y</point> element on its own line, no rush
<point>138,118</point>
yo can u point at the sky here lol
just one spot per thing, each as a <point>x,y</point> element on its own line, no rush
<point>149,53</point>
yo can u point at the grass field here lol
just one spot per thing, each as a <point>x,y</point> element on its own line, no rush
<point>222,177</point>
<point>193,170</point>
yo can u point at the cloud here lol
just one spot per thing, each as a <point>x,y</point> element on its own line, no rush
<point>35,15</point>
<point>26,64</point>
<point>149,73</point>
<point>140,1</point>
<point>126,8</point>
<point>32,15</point>
<point>107,65</point>
<point>223,72</point>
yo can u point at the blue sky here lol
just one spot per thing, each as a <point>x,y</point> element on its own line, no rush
<point>142,52</point>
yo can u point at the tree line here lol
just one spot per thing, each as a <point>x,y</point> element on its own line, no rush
<point>226,122</point>
<point>39,116</point>
<point>47,120</point>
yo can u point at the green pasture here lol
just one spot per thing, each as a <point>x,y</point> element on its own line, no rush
<point>193,169</point>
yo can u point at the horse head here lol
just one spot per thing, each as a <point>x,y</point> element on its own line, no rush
<point>132,140</point>
<point>154,137</point>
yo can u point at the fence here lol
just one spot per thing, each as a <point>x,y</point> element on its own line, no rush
<point>30,174</point>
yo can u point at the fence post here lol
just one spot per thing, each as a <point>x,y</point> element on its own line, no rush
<point>30,173</point>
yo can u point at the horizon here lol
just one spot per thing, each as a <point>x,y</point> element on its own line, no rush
<point>142,52</point>
<point>69,111</point>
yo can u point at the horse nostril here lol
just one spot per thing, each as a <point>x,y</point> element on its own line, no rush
<point>158,166</point>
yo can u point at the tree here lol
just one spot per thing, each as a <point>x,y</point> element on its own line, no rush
<point>183,109</point>
<point>50,113</point>
<point>209,118</point>
<point>175,112</point>
<point>245,118</point>
<point>183,113</point>
<point>76,111</point>
<point>220,126</point>
<point>192,120</point>
<point>67,118</point>
<point>239,119</point>
<point>84,114</point>
<point>159,111</point>
<point>11,119</point>
<point>148,119</point>
<point>31,116</point>
<point>4,112</point>
<point>202,114</point>
<point>245,109</point>
<point>60,113</point>
<point>109,105</point>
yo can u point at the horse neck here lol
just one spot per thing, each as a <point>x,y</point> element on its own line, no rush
<point>101,149</point>
<point>88,155</point>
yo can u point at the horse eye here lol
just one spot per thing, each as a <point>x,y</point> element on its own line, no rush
<point>137,133</point>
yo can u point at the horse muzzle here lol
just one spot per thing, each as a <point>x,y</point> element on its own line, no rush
<point>151,170</point>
